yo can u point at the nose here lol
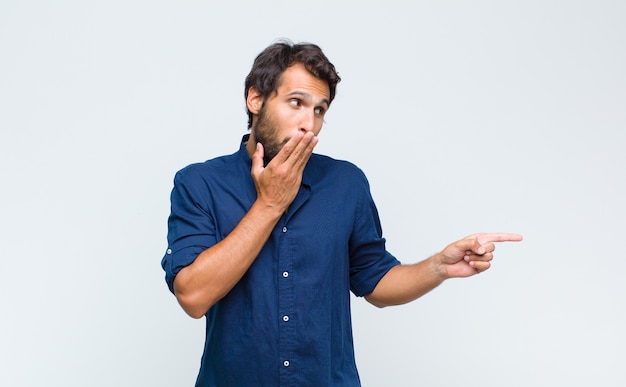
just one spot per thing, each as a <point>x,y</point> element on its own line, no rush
<point>307,121</point>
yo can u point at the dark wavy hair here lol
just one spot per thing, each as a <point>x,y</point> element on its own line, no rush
<point>270,64</point>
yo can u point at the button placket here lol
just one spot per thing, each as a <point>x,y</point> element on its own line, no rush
<point>287,340</point>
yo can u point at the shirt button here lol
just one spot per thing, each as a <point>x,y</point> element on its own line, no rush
<point>286,363</point>
<point>285,274</point>
<point>284,229</point>
<point>169,251</point>
<point>285,318</point>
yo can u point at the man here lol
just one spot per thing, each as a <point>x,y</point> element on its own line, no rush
<point>268,242</point>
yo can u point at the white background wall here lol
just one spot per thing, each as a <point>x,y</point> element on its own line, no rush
<point>466,117</point>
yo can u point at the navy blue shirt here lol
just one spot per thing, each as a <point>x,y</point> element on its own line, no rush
<point>287,321</point>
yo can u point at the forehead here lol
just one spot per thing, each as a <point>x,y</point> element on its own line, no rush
<point>297,78</point>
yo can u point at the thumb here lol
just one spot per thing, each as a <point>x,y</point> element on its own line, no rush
<point>257,159</point>
<point>472,244</point>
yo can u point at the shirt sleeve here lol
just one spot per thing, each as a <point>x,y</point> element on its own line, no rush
<point>369,259</point>
<point>191,226</point>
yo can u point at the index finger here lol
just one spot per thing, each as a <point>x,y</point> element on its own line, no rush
<point>298,149</point>
<point>496,237</point>
<point>294,147</point>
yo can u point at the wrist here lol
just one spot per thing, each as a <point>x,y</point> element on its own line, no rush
<point>267,210</point>
<point>438,267</point>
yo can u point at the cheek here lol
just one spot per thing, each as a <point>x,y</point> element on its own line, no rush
<point>287,120</point>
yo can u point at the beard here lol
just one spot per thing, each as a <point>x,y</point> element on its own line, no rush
<point>266,132</point>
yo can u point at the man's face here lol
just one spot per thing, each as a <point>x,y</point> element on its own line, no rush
<point>298,104</point>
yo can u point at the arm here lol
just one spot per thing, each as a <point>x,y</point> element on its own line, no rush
<point>218,269</point>
<point>463,258</point>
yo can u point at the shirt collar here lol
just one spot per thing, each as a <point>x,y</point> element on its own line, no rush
<point>243,151</point>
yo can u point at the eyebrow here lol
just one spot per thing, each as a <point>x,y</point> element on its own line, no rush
<point>307,97</point>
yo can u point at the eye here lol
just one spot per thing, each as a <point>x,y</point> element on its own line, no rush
<point>295,102</point>
<point>320,111</point>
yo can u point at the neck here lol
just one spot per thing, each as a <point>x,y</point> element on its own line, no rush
<point>251,144</point>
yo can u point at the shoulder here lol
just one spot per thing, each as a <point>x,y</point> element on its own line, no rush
<point>328,164</point>
<point>340,171</point>
<point>213,168</point>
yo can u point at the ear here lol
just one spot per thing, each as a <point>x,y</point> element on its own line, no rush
<point>254,100</point>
